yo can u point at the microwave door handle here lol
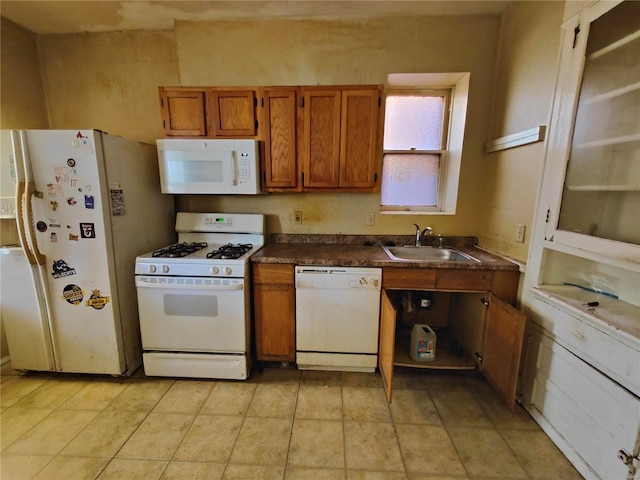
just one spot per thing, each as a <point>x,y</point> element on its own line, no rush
<point>234,168</point>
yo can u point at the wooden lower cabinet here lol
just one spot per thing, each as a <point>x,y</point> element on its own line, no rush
<point>482,330</point>
<point>274,299</point>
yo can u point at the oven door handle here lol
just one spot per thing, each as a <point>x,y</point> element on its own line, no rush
<point>143,283</point>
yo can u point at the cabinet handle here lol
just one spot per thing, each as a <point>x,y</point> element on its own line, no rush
<point>578,334</point>
<point>625,457</point>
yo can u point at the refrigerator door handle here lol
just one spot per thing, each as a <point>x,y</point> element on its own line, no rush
<point>20,196</point>
<point>31,244</point>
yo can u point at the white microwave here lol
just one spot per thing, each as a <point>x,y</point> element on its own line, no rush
<point>209,166</point>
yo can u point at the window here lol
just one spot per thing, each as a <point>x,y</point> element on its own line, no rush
<point>422,144</point>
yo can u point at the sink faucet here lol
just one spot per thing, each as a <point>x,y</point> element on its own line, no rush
<point>440,240</point>
<point>420,234</point>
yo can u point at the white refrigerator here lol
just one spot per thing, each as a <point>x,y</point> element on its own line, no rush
<point>86,204</point>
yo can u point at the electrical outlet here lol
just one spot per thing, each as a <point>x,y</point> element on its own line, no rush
<point>297,217</point>
<point>371,218</point>
<point>520,233</point>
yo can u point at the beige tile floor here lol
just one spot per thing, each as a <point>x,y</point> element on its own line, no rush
<point>280,424</point>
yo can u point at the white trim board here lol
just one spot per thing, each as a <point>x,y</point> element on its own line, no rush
<point>524,137</point>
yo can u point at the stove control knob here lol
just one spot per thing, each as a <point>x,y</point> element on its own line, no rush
<point>152,268</point>
<point>165,268</point>
<point>228,270</point>
<point>215,270</point>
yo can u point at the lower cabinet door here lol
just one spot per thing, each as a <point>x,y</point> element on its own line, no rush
<point>274,309</point>
<point>387,343</point>
<point>502,342</point>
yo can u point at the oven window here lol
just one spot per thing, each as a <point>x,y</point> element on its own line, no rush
<point>190,305</point>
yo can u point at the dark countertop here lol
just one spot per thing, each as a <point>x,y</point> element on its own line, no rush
<point>361,251</point>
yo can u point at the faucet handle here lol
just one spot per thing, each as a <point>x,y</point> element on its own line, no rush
<point>417,226</point>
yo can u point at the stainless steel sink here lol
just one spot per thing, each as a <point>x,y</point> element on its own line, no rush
<point>409,253</point>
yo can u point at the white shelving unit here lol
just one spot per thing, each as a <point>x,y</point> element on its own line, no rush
<point>582,285</point>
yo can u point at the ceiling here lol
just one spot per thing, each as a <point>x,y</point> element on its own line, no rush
<point>44,17</point>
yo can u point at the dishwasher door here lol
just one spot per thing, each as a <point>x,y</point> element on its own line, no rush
<point>337,317</point>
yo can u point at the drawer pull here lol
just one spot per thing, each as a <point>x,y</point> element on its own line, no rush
<point>578,334</point>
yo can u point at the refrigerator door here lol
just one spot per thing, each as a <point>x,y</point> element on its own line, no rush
<point>24,322</point>
<point>67,214</point>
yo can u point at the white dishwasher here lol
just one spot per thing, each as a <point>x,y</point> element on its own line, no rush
<point>337,318</point>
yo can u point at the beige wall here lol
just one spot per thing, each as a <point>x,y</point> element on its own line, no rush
<point>21,92</point>
<point>109,81</point>
<point>525,81</point>
<point>305,52</point>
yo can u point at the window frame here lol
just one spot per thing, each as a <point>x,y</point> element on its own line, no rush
<point>457,85</point>
<point>447,92</point>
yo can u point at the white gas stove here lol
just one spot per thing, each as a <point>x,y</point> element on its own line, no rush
<point>194,298</point>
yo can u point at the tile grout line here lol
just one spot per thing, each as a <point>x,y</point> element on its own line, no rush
<point>499,430</point>
<point>53,410</point>
<point>215,384</point>
<point>113,457</point>
<point>235,442</point>
<point>293,421</point>
<point>344,430</point>
<point>446,429</point>
<point>395,431</point>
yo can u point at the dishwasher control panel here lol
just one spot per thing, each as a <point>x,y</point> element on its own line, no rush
<point>337,278</point>
<point>363,281</point>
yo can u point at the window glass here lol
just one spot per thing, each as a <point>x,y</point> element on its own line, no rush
<point>414,122</point>
<point>410,180</point>
<point>413,145</point>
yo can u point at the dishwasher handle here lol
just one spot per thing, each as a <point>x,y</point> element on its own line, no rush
<point>321,271</point>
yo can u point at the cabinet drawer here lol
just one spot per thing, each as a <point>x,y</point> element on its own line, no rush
<point>409,278</point>
<point>273,273</point>
<point>606,353</point>
<point>461,280</point>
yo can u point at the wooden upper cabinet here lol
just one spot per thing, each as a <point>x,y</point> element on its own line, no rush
<point>279,133</point>
<point>321,134</point>
<point>208,112</point>
<point>183,112</point>
<point>359,138</point>
<point>231,113</point>
<point>341,136</point>
<point>321,138</point>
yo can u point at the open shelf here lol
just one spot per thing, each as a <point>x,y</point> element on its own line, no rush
<point>449,354</point>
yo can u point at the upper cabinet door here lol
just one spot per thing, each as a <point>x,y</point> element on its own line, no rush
<point>232,113</point>
<point>321,138</point>
<point>359,155</point>
<point>183,112</point>
<point>502,348</point>
<point>279,132</point>
<point>592,186</point>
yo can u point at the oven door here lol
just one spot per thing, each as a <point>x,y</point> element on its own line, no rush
<point>192,314</point>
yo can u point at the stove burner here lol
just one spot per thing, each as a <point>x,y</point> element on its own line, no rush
<point>230,251</point>
<point>179,249</point>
